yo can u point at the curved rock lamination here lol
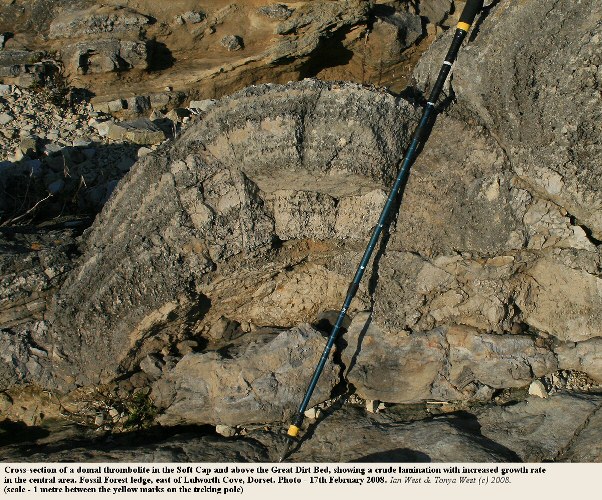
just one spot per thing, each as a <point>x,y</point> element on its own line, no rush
<point>488,278</point>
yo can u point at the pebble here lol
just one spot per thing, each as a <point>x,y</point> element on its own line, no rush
<point>6,118</point>
<point>538,389</point>
<point>143,151</point>
<point>313,413</point>
<point>225,430</point>
<point>372,406</point>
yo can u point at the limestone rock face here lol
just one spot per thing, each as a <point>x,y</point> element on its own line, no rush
<point>443,364</point>
<point>513,78</point>
<point>151,259</point>
<point>539,430</point>
<point>265,382</point>
<point>487,277</point>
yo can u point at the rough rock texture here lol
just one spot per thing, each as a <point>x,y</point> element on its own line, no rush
<point>103,56</point>
<point>586,446</point>
<point>98,20</point>
<point>435,10</point>
<point>196,213</point>
<point>539,430</point>
<point>183,447</point>
<point>179,43</point>
<point>426,441</point>
<point>32,262</point>
<point>261,383</point>
<point>487,279</point>
<point>472,246</point>
<point>582,356</point>
<point>531,431</point>
<point>523,94</point>
<point>443,364</point>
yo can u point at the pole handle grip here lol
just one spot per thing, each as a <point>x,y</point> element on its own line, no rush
<point>471,9</point>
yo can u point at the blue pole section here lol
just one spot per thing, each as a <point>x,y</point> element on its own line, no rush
<point>471,9</point>
<point>401,176</point>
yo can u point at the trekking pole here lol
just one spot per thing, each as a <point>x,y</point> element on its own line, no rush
<point>469,13</point>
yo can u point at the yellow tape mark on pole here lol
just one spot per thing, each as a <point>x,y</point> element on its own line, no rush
<point>293,430</point>
<point>463,26</point>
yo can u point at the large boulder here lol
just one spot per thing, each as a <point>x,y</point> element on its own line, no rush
<point>265,383</point>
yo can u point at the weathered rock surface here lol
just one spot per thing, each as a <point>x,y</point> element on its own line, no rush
<point>487,279</point>
<point>141,131</point>
<point>98,20</point>
<point>531,431</point>
<point>144,448</point>
<point>582,356</point>
<point>103,56</point>
<point>549,131</point>
<point>261,383</point>
<point>435,10</point>
<point>440,268</point>
<point>423,441</point>
<point>586,446</point>
<point>178,44</point>
<point>444,364</point>
<point>32,263</point>
<point>539,430</point>
<point>245,162</point>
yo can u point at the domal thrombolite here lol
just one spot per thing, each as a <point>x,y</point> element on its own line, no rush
<point>219,251</point>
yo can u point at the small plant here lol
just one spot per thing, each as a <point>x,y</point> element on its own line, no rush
<point>140,412</point>
<point>55,88</point>
<point>103,408</point>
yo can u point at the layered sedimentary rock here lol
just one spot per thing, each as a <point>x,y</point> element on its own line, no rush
<point>257,215</point>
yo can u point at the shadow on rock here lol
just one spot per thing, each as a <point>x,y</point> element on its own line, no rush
<point>468,423</point>
<point>72,181</point>
<point>17,432</point>
<point>329,54</point>
<point>160,56</point>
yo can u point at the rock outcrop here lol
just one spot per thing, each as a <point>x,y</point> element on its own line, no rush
<point>471,271</point>
<point>252,222</point>
<point>531,431</point>
<point>140,48</point>
<point>194,226</point>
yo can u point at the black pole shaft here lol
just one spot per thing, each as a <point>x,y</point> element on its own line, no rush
<point>468,14</point>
